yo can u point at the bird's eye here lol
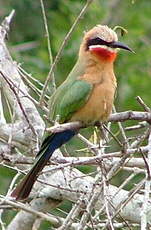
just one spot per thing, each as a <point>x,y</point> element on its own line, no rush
<point>99,40</point>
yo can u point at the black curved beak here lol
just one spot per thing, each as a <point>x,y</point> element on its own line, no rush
<point>121,46</point>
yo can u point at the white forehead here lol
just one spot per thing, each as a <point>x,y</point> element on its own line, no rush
<point>107,33</point>
<point>104,32</point>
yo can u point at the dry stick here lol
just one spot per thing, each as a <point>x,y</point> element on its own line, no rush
<point>12,184</point>
<point>8,104</point>
<point>105,180</point>
<point>129,196</point>
<point>121,186</point>
<point>74,212</point>
<point>114,137</point>
<point>26,76</point>
<point>47,31</point>
<point>19,103</point>
<point>62,127</point>
<point>2,224</point>
<point>142,103</point>
<point>91,201</point>
<point>98,159</point>
<point>73,161</point>
<point>48,42</point>
<point>90,145</point>
<point>147,133</point>
<point>67,37</point>
<point>30,84</point>
<point>106,201</point>
<point>148,171</point>
<point>121,129</point>
<point>147,186</point>
<point>116,167</point>
<point>2,117</point>
<point>139,140</point>
<point>123,116</point>
<point>5,24</point>
<point>43,182</point>
<point>135,127</point>
<point>24,73</point>
<point>130,115</point>
<point>7,195</point>
<point>99,176</point>
<point>26,208</point>
<point>128,179</point>
<point>13,120</point>
<point>116,226</point>
<point>134,170</point>
<point>126,200</point>
<point>102,174</point>
<point>25,95</point>
<point>17,175</point>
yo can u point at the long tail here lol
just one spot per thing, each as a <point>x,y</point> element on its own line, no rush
<point>49,145</point>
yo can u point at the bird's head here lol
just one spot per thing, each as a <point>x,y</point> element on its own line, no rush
<point>102,43</point>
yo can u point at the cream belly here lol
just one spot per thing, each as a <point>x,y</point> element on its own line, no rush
<point>98,106</point>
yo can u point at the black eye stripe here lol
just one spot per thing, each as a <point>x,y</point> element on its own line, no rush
<point>113,44</point>
<point>97,41</point>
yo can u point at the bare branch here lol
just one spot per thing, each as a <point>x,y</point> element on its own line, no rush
<point>147,187</point>
<point>115,117</point>
<point>130,115</point>
<point>29,213</point>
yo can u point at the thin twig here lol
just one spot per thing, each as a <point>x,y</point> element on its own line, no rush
<point>19,103</point>
<point>114,137</point>
<point>2,117</point>
<point>130,115</point>
<point>24,73</point>
<point>48,42</point>
<point>74,212</point>
<point>147,187</point>
<point>121,129</point>
<point>19,205</point>
<point>106,203</point>
<point>126,199</point>
<point>10,82</point>
<point>91,201</point>
<point>66,39</point>
<point>142,103</point>
<point>141,125</point>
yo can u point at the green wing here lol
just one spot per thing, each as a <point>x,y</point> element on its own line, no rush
<point>69,98</point>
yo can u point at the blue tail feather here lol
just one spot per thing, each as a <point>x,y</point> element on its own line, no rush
<point>49,145</point>
<point>58,140</point>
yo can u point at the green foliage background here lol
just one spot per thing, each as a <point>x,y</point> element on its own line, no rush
<point>133,71</point>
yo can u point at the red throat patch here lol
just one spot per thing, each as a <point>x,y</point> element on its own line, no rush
<point>104,54</point>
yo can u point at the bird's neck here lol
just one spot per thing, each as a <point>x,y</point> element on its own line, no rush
<point>97,71</point>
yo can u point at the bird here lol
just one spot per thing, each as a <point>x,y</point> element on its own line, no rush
<point>87,96</point>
